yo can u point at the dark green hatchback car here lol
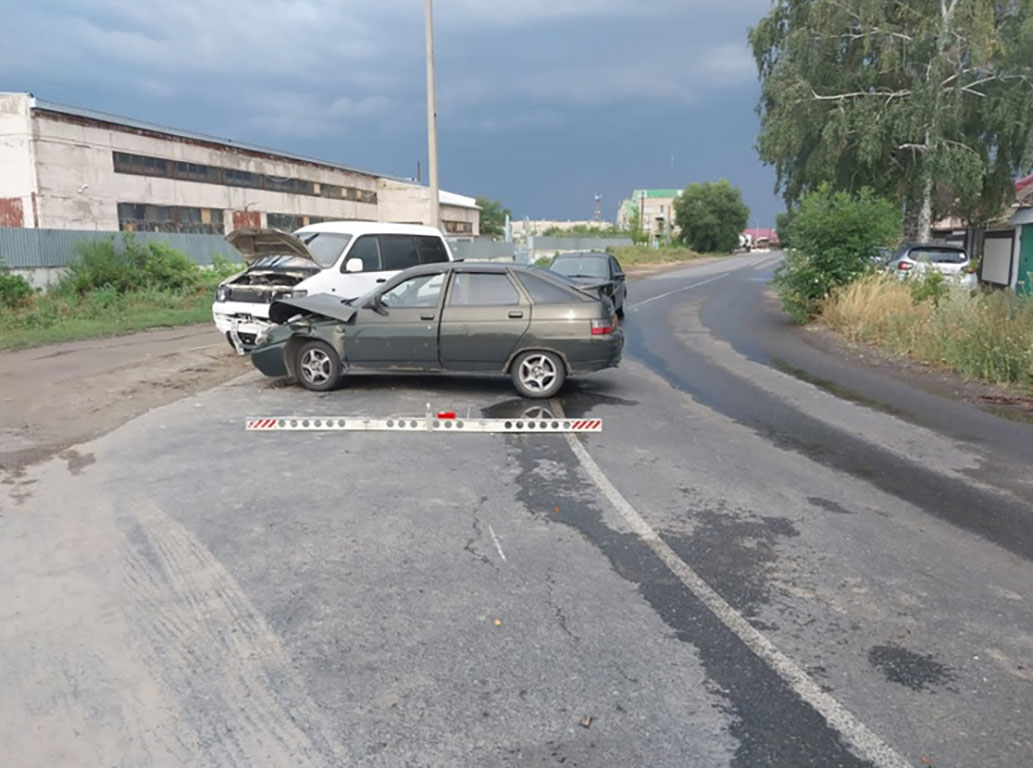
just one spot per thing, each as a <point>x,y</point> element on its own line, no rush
<point>458,317</point>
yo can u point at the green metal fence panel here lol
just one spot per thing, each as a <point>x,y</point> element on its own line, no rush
<point>41,248</point>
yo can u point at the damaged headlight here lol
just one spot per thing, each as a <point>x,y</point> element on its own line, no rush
<point>222,293</point>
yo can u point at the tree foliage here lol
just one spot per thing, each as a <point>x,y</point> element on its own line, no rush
<point>711,216</point>
<point>929,102</point>
<point>834,235</point>
<point>783,226</point>
<point>493,217</point>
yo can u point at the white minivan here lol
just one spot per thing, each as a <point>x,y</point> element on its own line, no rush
<point>343,258</point>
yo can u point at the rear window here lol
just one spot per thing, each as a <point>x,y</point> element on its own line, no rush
<point>937,255</point>
<point>581,266</point>
<point>544,291</point>
<point>432,249</point>
<point>326,247</point>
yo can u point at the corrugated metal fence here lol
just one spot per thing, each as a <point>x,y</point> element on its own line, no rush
<point>482,250</point>
<point>43,248</point>
<point>541,243</point>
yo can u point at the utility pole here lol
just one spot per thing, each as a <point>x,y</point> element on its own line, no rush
<point>432,123</point>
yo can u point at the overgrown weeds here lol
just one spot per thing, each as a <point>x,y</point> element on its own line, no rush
<point>983,335</point>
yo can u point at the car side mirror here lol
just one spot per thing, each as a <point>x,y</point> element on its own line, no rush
<point>374,303</point>
<point>353,265</point>
<point>618,275</point>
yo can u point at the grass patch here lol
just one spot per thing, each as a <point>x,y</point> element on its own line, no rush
<point>644,256</point>
<point>113,287</point>
<point>983,335</point>
<point>51,318</point>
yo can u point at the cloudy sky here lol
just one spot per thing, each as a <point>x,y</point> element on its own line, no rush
<point>541,103</point>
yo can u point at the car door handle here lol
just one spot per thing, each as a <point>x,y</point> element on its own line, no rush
<point>381,279</point>
<point>516,314</point>
<point>429,316</point>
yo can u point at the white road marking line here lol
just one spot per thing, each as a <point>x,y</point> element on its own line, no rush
<point>635,307</point>
<point>839,718</point>
<point>497,545</point>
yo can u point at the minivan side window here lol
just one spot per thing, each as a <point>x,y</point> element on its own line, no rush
<point>367,251</point>
<point>398,252</point>
<point>432,249</point>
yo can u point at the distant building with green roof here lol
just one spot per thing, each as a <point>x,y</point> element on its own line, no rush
<point>657,209</point>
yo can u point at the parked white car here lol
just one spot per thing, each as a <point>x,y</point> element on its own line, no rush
<point>342,258</point>
<point>948,259</point>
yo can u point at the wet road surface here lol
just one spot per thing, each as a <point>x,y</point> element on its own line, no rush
<point>743,569</point>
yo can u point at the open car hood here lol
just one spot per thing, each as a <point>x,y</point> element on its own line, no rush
<point>325,304</point>
<point>254,244</point>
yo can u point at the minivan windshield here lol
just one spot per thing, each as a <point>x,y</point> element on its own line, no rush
<point>325,247</point>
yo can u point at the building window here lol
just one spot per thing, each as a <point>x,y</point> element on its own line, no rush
<point>140,217</point>
<point>289,222</point>
<point>140,164</point>
<point>144,165</point>
<point>459,227</point>
<point>234,178</point>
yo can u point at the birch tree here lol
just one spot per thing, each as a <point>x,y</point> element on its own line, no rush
<point>929,102</point>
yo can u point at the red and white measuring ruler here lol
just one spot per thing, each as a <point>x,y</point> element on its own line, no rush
<point>445,421</point>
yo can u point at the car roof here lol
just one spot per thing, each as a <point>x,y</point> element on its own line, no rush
<point>357,228</point>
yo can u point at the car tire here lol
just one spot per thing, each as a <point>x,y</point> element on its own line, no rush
<point>317,366</point>
<point>620,311</point>
<point>538,375</point>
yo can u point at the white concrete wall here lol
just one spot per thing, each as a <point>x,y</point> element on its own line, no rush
<point>17,177</point>
<point>406,203</point>
<point>79,188</point>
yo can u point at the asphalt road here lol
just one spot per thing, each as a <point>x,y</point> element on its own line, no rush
<point>746,568</point>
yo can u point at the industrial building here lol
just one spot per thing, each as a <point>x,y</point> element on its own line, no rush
<point>655,207</point>
<point>64,167</point>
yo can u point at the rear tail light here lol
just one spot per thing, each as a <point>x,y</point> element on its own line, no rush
<point>604,327</point>
<point>904,265</point>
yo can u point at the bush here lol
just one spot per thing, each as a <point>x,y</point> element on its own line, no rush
<point>833,236</point>
<point>711,216</point>
<point>101,264</point>
<point>98,264</point>
<point>158,265</point>
<point>783,227</point>
<point>930,286</point>
<point>14,289</point>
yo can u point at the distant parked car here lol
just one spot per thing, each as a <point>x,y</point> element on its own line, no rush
<point>599,270</point>
<point>948,259</point>
<point>454,317</point>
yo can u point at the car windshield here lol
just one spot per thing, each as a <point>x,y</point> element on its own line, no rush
<point>938,255</point>
<point>581,266</point>
<point>325,247</point>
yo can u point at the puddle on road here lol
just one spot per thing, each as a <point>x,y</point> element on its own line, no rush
<point>77,462</point>
<point>517,408</point>
<point>828,505</point>
<point>914,670</point>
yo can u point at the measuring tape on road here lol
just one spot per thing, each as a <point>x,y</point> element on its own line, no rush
<point>442,422</point>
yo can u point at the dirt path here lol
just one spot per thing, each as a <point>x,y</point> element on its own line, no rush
<point>55,396</point>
